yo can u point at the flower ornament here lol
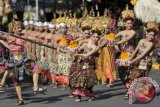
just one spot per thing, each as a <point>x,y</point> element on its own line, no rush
<point>124,59</point>
<point>110,39</point>
<point>63,43</point>
<point>151,26</point>
<point>73,46</point>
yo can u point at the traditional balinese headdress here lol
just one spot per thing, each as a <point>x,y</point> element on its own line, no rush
<point>96,30</point>
<point>151,26</point>
<point>127,14</point>
<point>107,21</point>
<point>14,23</point>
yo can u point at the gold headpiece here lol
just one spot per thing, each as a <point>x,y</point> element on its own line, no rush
<point>127,14</point>
<point>107,21</point>
<point>60,19</point>
<point>133,2</point>
<point>17,23</point>
<point>152,26</point>
<point>14,23</point>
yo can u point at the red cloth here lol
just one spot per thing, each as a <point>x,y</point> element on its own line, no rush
<point>108,72</point>
<point>83,93</point>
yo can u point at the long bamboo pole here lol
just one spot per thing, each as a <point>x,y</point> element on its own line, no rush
<point>29,40</point>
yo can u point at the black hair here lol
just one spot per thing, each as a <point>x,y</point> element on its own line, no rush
<point>86,28</point>
<point>128,18</point>
<point>152,30</point>
<point>96,31</point>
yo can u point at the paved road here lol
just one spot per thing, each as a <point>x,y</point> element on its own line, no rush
<point>105,97</point>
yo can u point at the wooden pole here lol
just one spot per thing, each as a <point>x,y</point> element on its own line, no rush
<point>29,40</point>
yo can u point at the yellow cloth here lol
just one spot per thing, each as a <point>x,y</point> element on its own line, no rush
<point>155,66</point>
<point>106,57</point>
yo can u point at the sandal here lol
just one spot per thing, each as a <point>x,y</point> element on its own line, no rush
<point>40,90</point>
<point>126,96</point>
<point>71,96</point>
<point>109,85</point>
<point>78,99</point>
<point>20,102</point>
<point>91,98</point>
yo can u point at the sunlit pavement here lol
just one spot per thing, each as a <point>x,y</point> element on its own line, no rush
<point>105,97</point>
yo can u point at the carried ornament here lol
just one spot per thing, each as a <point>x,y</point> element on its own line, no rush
<point>73,46</point>
<point>124,59</point>
<point>110,39</point>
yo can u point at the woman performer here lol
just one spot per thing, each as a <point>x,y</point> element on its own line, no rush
<point>125,47</point>
<point>82,74</point>
<point>106,69</point>
<point>106,61</point>
<point>140,59</point>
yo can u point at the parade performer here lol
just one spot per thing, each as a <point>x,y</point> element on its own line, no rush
<point>50,54</point>
<point>64,58</point>
<point>4,47</point>
<point>106,69</point>
<point>82,74</point>
<point>17,56</point>
<point>125,45</point>
<point>141,60</point>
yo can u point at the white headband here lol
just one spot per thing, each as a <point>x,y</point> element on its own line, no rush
<point>25,23</point>
<point>63,25</point>
<point>57,26</point>
<point>45,24</point>
<point>31,22</point>
<point>39,24</point>
<point>51,26</point>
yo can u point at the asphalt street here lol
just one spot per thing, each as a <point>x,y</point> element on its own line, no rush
<point>105,97</point>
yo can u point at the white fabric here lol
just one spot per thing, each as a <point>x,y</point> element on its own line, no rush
<point>31,22</point>
<point>39,24</point>
<point>51,26</point>
<point>35,23</point>
<point>57,26</point>
<point>25,23</point>
<point>147,10</point>
<point>63,25</point>
<point>45,24</point>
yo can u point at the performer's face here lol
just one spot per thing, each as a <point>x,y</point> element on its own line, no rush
<point>150,35</point>
<point>26,27</point>
<point>129,24</point>
<point>52,30</point>
<point>31,26</point>
<point>95,37</point>
<point>86,33</point>
<point>40,28</point>
<point>17,30</point>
